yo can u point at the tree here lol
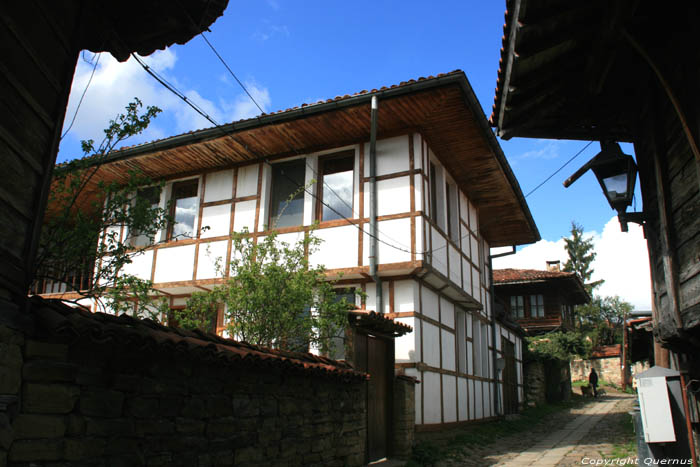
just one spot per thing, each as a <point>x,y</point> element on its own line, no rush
<point>604,317</point>
<point>83,235</point>
<point>581,255</point>
<point>273,297</point>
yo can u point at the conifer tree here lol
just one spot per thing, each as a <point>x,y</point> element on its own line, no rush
<point>581,255</point>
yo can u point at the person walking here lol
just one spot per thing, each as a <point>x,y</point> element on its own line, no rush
<point>593,381</point>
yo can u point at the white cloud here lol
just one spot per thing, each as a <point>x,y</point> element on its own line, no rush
<point>548,150</point>
<point>622,261</point>
<point>116,84</point>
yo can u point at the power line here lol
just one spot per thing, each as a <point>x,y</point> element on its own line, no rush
<point>94,67</point>
<point>559,169</point>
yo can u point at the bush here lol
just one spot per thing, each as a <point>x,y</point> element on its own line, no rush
<point>557,346</point>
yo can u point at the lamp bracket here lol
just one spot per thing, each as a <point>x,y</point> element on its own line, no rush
<point>636,217</point>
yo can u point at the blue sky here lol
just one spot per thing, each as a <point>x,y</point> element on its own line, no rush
<point>288,53</point>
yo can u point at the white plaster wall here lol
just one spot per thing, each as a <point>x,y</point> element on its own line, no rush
<point>455,265</point>
<point>291,238</point>
<point>429,306</point>
<point>464,234</point>
<point>478,400</point>
<point>448,350</point>
<point>370,301</point>
<point>466,276</point>
<point>338,248</point>
<point>417,141</point>
<point>472,400</point>
<point>431,349</point>
<point>206,260</point>
<point>439,256</point>
<point>218,219</point>
<point>174,264</point>
<point>431,388</point>
<point>140,265</point>
<point>405,293</point>
<point>449,398</point>
<point>393,196</point>
<point>405,346</point>
<point>420,244</point>
<point>476,288</point>
<point>447,313</point>
<point>474,249</point>
<point>462,399</point>
<point>247,181</point>
<point>473,218</point>
<point>244,216</point>
<point>219,185</point>
<point>463,207</point>
<point>470,358</point>
<point>394,232</point>
<point>392,155</point>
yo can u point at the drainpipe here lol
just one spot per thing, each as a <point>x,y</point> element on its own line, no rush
<point>373,230</point>
<point>492,303</point>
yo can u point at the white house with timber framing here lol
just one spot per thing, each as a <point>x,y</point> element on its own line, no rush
<point>445,196</point>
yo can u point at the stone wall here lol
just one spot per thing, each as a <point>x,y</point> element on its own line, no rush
<point>608,369</point>
<point>546,381</point>
<point>80,402</point>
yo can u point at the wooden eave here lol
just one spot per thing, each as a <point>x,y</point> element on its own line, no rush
<point>568,73</point>
<point>570,287</point>
<point>443,109</point>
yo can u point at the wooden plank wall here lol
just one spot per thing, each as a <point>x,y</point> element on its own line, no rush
<point>35,81</point>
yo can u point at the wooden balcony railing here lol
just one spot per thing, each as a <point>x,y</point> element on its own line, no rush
<point>58,279</point>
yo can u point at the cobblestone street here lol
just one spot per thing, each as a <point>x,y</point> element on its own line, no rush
<point>588,431</point>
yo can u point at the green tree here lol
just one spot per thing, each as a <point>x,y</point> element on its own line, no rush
<point>604,317</point>
<point>273,297</point>
<point>581,256</point>
<point>93,235</point>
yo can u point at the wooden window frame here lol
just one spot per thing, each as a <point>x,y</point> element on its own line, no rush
<point>270,216</point>
<point>537,306</point>
<point>173,202</point>
<point>322,161</point>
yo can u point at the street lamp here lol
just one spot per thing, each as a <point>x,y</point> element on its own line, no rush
<point>617,174</point>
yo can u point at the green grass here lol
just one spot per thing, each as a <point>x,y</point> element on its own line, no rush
<point>427,453</point>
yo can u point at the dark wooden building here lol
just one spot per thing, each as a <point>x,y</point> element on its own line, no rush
<point>624,71</point>
<point>539,301</point>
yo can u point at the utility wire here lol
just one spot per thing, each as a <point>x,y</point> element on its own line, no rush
<point>559,169</point>
<point>75,114</point>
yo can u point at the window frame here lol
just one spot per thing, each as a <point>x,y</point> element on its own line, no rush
<point>173,209</point>
<point>515,307</point>
<point>271,212</point>
<point>321,172</point>
<point>537,306</point>
<point>135,234</point>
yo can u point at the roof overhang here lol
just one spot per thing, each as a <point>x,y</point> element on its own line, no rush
<point>444,109</point>
<point>568,71</point>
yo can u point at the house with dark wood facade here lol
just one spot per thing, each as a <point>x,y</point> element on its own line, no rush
<point>540,301</point>
<point>445,195</point>
<point>623,71</point>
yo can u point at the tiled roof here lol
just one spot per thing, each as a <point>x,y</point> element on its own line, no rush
<point>62,320</point>
<point>379,322</point>
<point>288,110</point>
<point>524,275</point>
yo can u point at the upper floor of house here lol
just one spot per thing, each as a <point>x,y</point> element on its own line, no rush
<point>539,300</point>
<point>445,193</point>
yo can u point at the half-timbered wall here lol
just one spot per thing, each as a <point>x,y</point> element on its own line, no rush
<point>430,253</point>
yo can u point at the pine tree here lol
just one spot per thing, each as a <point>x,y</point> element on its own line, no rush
<point>581,255</point>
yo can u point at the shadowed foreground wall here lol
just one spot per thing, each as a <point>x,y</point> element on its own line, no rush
<point>72,400</point>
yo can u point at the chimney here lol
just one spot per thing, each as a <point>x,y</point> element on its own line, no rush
<point>554,265</point>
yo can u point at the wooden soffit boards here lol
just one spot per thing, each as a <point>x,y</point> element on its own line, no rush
<point>443,109</point>
<point>568,72</point>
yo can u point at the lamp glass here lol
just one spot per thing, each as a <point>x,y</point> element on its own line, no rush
<point>616,187</point>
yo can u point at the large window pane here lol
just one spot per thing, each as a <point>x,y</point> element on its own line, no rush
<point>287,194</point>
<point>147,198</point>
<point>184,206</point>
<point>336,189</point>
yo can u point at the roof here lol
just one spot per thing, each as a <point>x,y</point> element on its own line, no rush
<point>143,26</point>
<point>606,351</point>
<point>569,71</point>
<point>569,282</point>
<point>378,322</point>
<point>443,108</point>
<point>63,321</point>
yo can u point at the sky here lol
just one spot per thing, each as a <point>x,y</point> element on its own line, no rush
<point>292,52</point>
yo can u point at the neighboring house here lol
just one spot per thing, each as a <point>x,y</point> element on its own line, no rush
<point>445,196</point>
<point>540,301</point>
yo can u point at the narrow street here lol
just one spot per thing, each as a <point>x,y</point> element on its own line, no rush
<point>574,437</point>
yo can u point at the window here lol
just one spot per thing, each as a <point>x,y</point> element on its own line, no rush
<point>336,187</point>
<point>452,213</point>
<point>517,306</point>
<point>287,194</point>
<point>183,209</point>
<point>536,306</point>
<point>433,193</point>
<point>150,197</point>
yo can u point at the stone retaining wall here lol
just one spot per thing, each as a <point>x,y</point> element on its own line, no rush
<point>608,369</point>
<point>83,403</point>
